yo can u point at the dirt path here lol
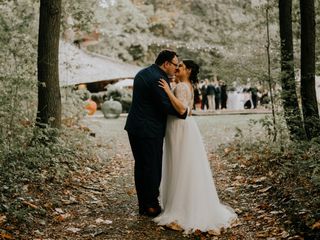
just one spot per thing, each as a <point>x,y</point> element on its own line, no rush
<point>100,202</point>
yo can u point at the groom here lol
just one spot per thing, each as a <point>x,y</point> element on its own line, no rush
<point>146,125</point>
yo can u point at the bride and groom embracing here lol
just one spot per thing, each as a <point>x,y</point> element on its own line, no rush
<point>172,174</point>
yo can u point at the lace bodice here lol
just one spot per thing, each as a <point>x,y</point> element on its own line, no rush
<point>184,94</point>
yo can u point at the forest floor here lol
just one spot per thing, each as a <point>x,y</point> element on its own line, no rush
<point>98,200</point>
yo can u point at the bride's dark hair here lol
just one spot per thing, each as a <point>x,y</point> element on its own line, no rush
<point>190,64</point>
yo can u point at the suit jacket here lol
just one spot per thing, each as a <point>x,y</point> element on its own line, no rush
<point>150,104</point>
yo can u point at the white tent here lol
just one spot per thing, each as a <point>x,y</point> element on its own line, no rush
<point>124,83</point>
<point>79,66</point>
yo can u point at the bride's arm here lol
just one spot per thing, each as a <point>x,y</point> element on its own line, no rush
<point>176,103</point>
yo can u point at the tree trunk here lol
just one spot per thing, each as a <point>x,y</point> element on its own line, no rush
<point>289,94</point>
<point>308,91</point>
<point>269,74</point>
<point>49,98</point>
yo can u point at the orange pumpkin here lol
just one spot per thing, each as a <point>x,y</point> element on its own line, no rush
<point>91,107</point>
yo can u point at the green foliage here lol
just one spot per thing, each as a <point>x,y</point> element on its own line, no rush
<point>82,13</point>
<point>37,161</point>
<point>290,168</point>
<point>227,38</point>
<point>17,67</point>
<point>30,156</point>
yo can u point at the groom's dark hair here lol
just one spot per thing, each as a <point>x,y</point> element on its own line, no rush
<point>165,55</point>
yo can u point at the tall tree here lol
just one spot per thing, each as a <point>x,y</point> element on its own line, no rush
<point>289,94</point>
<point>49,98</point>
<point>308,91</point>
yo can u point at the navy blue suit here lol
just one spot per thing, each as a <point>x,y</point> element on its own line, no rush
<point>146,124</point>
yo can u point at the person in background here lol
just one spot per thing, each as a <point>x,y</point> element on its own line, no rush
<point>210,95</point>
<point>254,96</point>
<point>204,96</point>
<point>197,97</point>
<point>217,95</point>
<point>224,94</point>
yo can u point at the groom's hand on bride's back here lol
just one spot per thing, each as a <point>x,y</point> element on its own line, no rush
<point>185,114</point>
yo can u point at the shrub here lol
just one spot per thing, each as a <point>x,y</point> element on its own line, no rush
<point>291,168</point>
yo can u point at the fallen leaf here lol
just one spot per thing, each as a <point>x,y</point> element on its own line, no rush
<point>59,210</point>
<point>100,220</point>
<point>236,223</point>
<point>262,234</point>
<point>285,234</point>
<point>215,232</point>
<point>131,191</point>
<point>275,212</point>
<point>30,204</point>
<point>265,189</point>
<point>73,229</point>
<point>233,238</point>
<point>258,180</point>
<point>227,150</point>
<point>239,177</point>
<point>3,219</point>
<point>174,226</point>
<point>8,228</point>
<point>62,217</point>
<point>6,236</point>
<point>316,225</point>
<point>248,217</point>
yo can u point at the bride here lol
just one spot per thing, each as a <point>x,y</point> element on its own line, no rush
<point>188,196</point>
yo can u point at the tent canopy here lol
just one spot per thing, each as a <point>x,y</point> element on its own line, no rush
<point>78,66</point>
<point>124,83</point>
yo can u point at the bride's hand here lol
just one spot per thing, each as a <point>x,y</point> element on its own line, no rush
<point>164,85</point>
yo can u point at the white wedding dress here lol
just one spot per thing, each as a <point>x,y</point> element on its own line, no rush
<point>188,195</point>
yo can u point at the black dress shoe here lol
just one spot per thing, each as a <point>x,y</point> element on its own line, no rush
<point>152,211</point>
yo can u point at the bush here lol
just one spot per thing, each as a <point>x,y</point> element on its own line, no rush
<point>32,167</point>
<point>291,169</point>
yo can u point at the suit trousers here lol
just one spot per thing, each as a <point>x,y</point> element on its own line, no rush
<point>147,153</point>
<point>211,102</point>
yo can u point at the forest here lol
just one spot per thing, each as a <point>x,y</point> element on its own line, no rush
<point>44,146</point>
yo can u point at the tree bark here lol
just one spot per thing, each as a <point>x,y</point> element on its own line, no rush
<point>308,90</point>
<point>49,98</point>
<point>289,94</point>
<point>269,74</point>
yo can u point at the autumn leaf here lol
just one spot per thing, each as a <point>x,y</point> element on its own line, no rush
<point>73,229</point>
<point>30,204</point>
<point>215,232</point>
<point>174,226</point>
<point>6,236</point>
<point>3,219</point>
<point>62,217</point>
<point>100,220</point>
<point>316,225</point>
<point>262,234</point>
<point>265,189</point>
<point>59,210</point>
<point>227,150</point>
<point>131,191</point>
<point>258,180</point>
<point>248,217</point>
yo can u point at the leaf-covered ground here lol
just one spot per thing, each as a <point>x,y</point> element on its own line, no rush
<point>98,201</point>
